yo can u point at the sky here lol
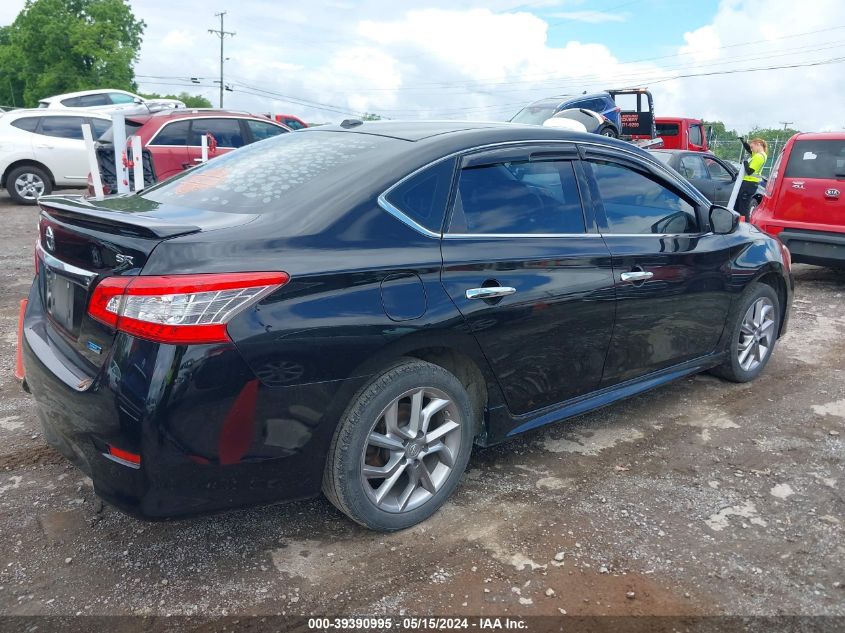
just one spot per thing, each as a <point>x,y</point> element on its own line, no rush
<point>326,60</point>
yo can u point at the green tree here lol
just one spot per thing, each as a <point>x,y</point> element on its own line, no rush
<point>57,46</point>
<point>192,101</point>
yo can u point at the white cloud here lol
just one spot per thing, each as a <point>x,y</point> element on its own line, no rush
<point>592,17</point>
<point>417,60</point>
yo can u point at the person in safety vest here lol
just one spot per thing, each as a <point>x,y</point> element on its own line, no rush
<point>751,173</point>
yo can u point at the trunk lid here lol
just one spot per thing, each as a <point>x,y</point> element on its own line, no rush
<point>82,242</point>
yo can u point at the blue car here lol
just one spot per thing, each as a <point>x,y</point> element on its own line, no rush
<point>600,102</point>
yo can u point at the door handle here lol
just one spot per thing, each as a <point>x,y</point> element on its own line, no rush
<point>636,275</point>
<point>45,146</point>
<point>491,292</point>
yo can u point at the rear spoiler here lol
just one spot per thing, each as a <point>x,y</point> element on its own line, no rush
<point>75,209</point>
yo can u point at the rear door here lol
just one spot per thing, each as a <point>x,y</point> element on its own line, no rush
<point>813,187</point>
<point>672,281</point>
<point>228,134</point>
<point>722,177</point>
<point>530,273</point>
<point>169,148</point>
<point>60,147</point>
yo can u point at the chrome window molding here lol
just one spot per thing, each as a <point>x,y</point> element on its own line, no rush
<point>402,217</point>
<point>199,118</point>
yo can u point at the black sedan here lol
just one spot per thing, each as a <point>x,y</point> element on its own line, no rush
<point>349,309</point>
<point>711,175</point>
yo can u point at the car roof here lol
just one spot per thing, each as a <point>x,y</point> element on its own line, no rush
<point>820,136</point>
<point>680,151</point>
<point>414,130</point>
<point>57,112</point>
<point>554,101</point>
<point>82,93</point>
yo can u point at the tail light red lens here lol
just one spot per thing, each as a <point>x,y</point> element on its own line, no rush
<point>179,309</point>
<point>130,459</point>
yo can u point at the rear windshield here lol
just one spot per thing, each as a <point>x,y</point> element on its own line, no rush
<point>108,135</point>
<point>667,129</point>
<point>534,114</point>
<point>260,177</point>
<point>817,159</point>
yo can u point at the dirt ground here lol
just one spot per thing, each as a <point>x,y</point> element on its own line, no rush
<point>702,497</point>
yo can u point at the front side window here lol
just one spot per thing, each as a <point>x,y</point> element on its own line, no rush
<point>518,198</point>
<point>823,159</point>
<point>227,132</point>
<point>119,97</point>
<point>62,126</point>
<point>423,197</point>
<point>172,134</point>
<point>695,136</point>
<point>261,130</point>
<point>693,167</point>
<point>636,204</point>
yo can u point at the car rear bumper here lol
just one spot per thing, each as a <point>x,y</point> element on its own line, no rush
<point>209,435</point>
<point>815,247</point>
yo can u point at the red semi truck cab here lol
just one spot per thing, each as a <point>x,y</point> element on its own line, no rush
<point>682,133</point>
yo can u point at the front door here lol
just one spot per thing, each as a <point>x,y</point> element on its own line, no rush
<point>530,274</point>
<point>672,281</point>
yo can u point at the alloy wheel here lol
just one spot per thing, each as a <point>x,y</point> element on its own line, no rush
<point>757,334</point>
<point>411,450</point>
<point>29,186</point>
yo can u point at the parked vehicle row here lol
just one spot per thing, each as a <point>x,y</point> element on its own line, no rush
<point>109,101</point>
<point>350,308</point>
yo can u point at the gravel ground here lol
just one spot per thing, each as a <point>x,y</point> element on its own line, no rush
<point>702,497</point>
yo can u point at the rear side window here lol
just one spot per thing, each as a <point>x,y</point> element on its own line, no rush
<point>282,176</point>
<point>62,126</point>
<point>28,123</point>
<point>635,204</point>
<point>817,159</point>
<point>424,196</point>
<point>227,132</point>
<point>71,102</point>
<point>293,124</point>
<point>101,126</point>
<point>173,134</point>
<point>518,198</point>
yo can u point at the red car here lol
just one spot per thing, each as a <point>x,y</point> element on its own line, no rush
<point>172,139</point>
<point>804,203</point>
<point>291,120</point>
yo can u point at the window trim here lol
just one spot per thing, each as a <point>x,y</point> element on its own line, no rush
<point>584,148</point>
<point>189,118</point>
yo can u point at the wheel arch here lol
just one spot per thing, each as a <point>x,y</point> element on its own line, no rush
<point>26,162</point>
<point>776,282</point>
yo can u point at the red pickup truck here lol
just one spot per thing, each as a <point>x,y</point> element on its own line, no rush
<point>682,133</point>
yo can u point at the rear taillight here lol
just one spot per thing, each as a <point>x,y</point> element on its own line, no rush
<point>179,309</point>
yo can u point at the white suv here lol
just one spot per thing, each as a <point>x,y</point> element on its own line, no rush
<point>110,101</point>
<point>42,149</point>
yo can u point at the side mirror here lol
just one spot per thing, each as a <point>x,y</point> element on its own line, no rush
<point>138,100</point>
<point>722,220</point>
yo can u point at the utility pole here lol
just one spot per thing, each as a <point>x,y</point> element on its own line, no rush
<point>221,33</point>
<point>786,123</point>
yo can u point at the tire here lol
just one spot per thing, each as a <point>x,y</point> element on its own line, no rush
<point>609,131</point>
<point>412,496</point>
<point>27,183</point>
<point>752,332</point>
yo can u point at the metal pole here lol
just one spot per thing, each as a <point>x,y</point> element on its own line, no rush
<point>138,163</point>
<point>93,165</point>
<point>222,35</point>
<point>204,148</point>
<point>119,139</point>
